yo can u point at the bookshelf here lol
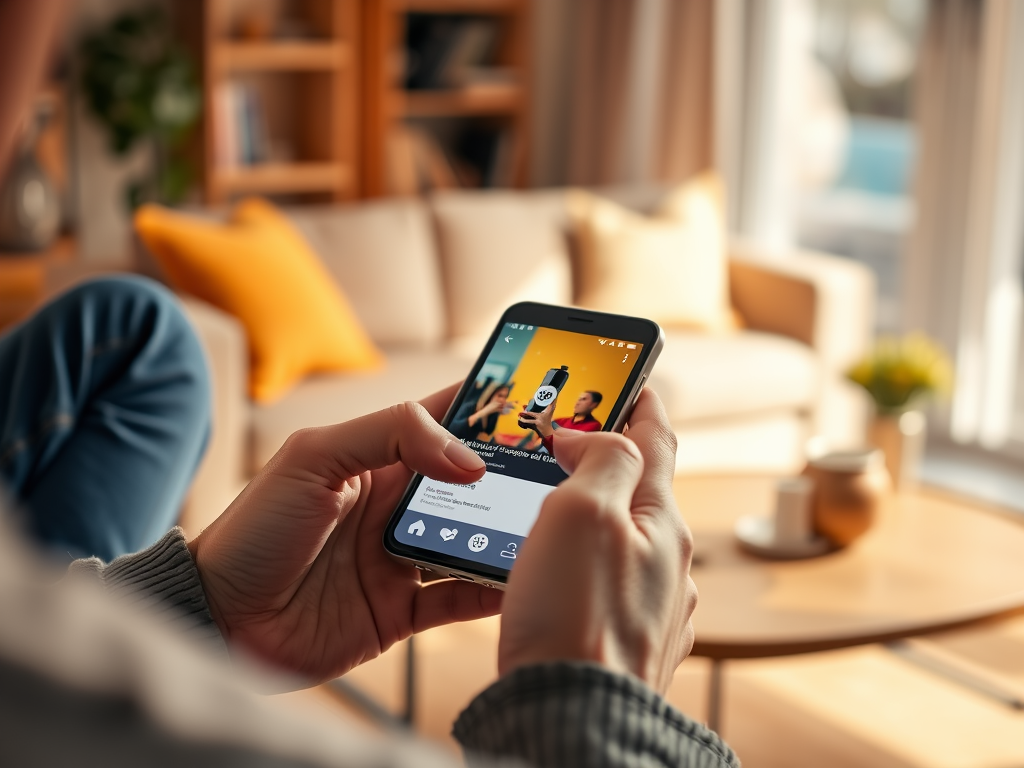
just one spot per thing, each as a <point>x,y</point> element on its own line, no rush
<point>415,132</point>
<point>280,108</point>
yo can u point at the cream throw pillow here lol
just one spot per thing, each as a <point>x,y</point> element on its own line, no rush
<point>670,267</point>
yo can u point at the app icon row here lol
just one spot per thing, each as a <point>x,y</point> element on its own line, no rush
<point>477,542</point>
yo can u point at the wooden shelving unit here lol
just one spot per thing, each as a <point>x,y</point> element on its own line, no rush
<point>387,105</point>
<point>313,105</point>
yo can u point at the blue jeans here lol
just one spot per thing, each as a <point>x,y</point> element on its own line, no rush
<point>104,416</point>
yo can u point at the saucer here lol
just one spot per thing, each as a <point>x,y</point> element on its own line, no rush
<point>757,536</point>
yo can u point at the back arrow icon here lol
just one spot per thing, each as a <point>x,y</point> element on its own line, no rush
<point>508,339</point>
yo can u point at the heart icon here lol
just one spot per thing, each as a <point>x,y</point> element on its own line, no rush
<point>449,533</point>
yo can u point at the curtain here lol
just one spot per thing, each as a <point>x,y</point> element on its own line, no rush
<point>623,92</point>
<point>686,124</point>
<point>963,267</point>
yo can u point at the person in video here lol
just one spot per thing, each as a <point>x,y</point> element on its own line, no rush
<point>582,419</point>
<point>477,419</point>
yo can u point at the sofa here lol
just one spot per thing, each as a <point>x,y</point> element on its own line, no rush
<point>429,278</point>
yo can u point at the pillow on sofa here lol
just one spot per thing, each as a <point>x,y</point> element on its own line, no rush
<point>259,269</point>
<point>670,267</point>
<point>499,247</point>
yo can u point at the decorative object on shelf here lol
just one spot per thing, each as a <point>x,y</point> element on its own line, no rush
<point>143,88</point>
<point>449,50</point>
<point>900,375</point>
<point>29,203</point>
<point>848,487</point>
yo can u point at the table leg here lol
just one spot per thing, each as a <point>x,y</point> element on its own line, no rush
<point>937,665</point>
<point>715,696</point>
<point>376,711</point>
<point>409,716</point>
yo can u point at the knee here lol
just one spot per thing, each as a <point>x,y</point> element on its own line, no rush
<point>120,294</point>
<point>143,316</point>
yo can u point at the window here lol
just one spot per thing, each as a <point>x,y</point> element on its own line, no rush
<point>858,137</point>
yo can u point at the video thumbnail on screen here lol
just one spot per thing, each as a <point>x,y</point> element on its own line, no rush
<point>535,382</point>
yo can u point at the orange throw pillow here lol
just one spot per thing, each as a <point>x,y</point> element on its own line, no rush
<point>257,267</point>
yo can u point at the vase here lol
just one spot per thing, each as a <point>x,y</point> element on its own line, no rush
<point>848,488</point>
<point>900,436</point>
<point>29,205</point>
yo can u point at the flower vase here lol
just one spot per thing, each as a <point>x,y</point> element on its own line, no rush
<point>901,438</point>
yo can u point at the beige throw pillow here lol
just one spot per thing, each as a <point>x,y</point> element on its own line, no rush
<point>670,267</point>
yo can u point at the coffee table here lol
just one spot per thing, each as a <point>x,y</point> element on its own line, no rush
<point>932,562</point>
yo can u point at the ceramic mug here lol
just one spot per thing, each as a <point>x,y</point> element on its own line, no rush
<point>848,487</point>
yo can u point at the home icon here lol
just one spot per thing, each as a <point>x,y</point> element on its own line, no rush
<point>417,528</point>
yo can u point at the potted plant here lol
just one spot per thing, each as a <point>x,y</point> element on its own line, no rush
<point>143,88</point>
<point>901,375</point>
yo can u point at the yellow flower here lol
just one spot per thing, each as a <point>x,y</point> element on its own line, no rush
<point>898,372</point>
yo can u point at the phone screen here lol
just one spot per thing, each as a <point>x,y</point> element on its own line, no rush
<point>534,382</point>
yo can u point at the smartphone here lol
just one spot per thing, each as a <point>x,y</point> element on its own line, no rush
<point>570,369</point>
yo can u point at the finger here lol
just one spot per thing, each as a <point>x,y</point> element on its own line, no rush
<point>405,433</point>
<point>650,430</point>
<point>446,602</point>
<point>438,403</point>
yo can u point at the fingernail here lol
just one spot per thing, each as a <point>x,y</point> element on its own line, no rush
<point>462,456</point>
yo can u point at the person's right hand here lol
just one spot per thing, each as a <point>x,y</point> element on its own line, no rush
<point>540,422</point>
<point>604,574</point>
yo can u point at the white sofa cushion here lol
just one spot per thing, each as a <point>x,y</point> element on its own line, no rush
<point>702,375</point>
<point>382,254</point>
<point>498,248</point>
<point>319,400</point>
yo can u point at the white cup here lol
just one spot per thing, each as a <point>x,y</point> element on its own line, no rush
<point>793,510</point>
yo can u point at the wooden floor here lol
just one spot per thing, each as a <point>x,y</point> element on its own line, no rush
<point>858,707</point>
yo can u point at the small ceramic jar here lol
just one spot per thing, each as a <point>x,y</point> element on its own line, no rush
<point>848,488</point>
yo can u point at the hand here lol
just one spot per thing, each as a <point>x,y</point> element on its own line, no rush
<point>604,574</point>
<point>541,422</point>
<point>494,406</point>
<point>294,570</point>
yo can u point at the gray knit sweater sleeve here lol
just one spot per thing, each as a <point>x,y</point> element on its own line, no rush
<point>576,714</point>
<point>164,580</point>
<point>561,714</point>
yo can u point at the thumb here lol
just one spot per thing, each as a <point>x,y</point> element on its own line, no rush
<point>403,433</point>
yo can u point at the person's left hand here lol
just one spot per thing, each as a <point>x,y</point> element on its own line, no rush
<point>295,571</point>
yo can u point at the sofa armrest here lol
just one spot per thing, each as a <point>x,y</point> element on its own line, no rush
<point>824,301</point>
<point>221,473</point>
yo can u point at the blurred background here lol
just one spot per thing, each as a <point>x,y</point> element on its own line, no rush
<point>884,131</point>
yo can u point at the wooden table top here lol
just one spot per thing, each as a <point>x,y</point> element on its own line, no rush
<point>933,561</point>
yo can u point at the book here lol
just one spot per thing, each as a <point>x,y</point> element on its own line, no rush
<point>429,41</point>
<point>433,164</point>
